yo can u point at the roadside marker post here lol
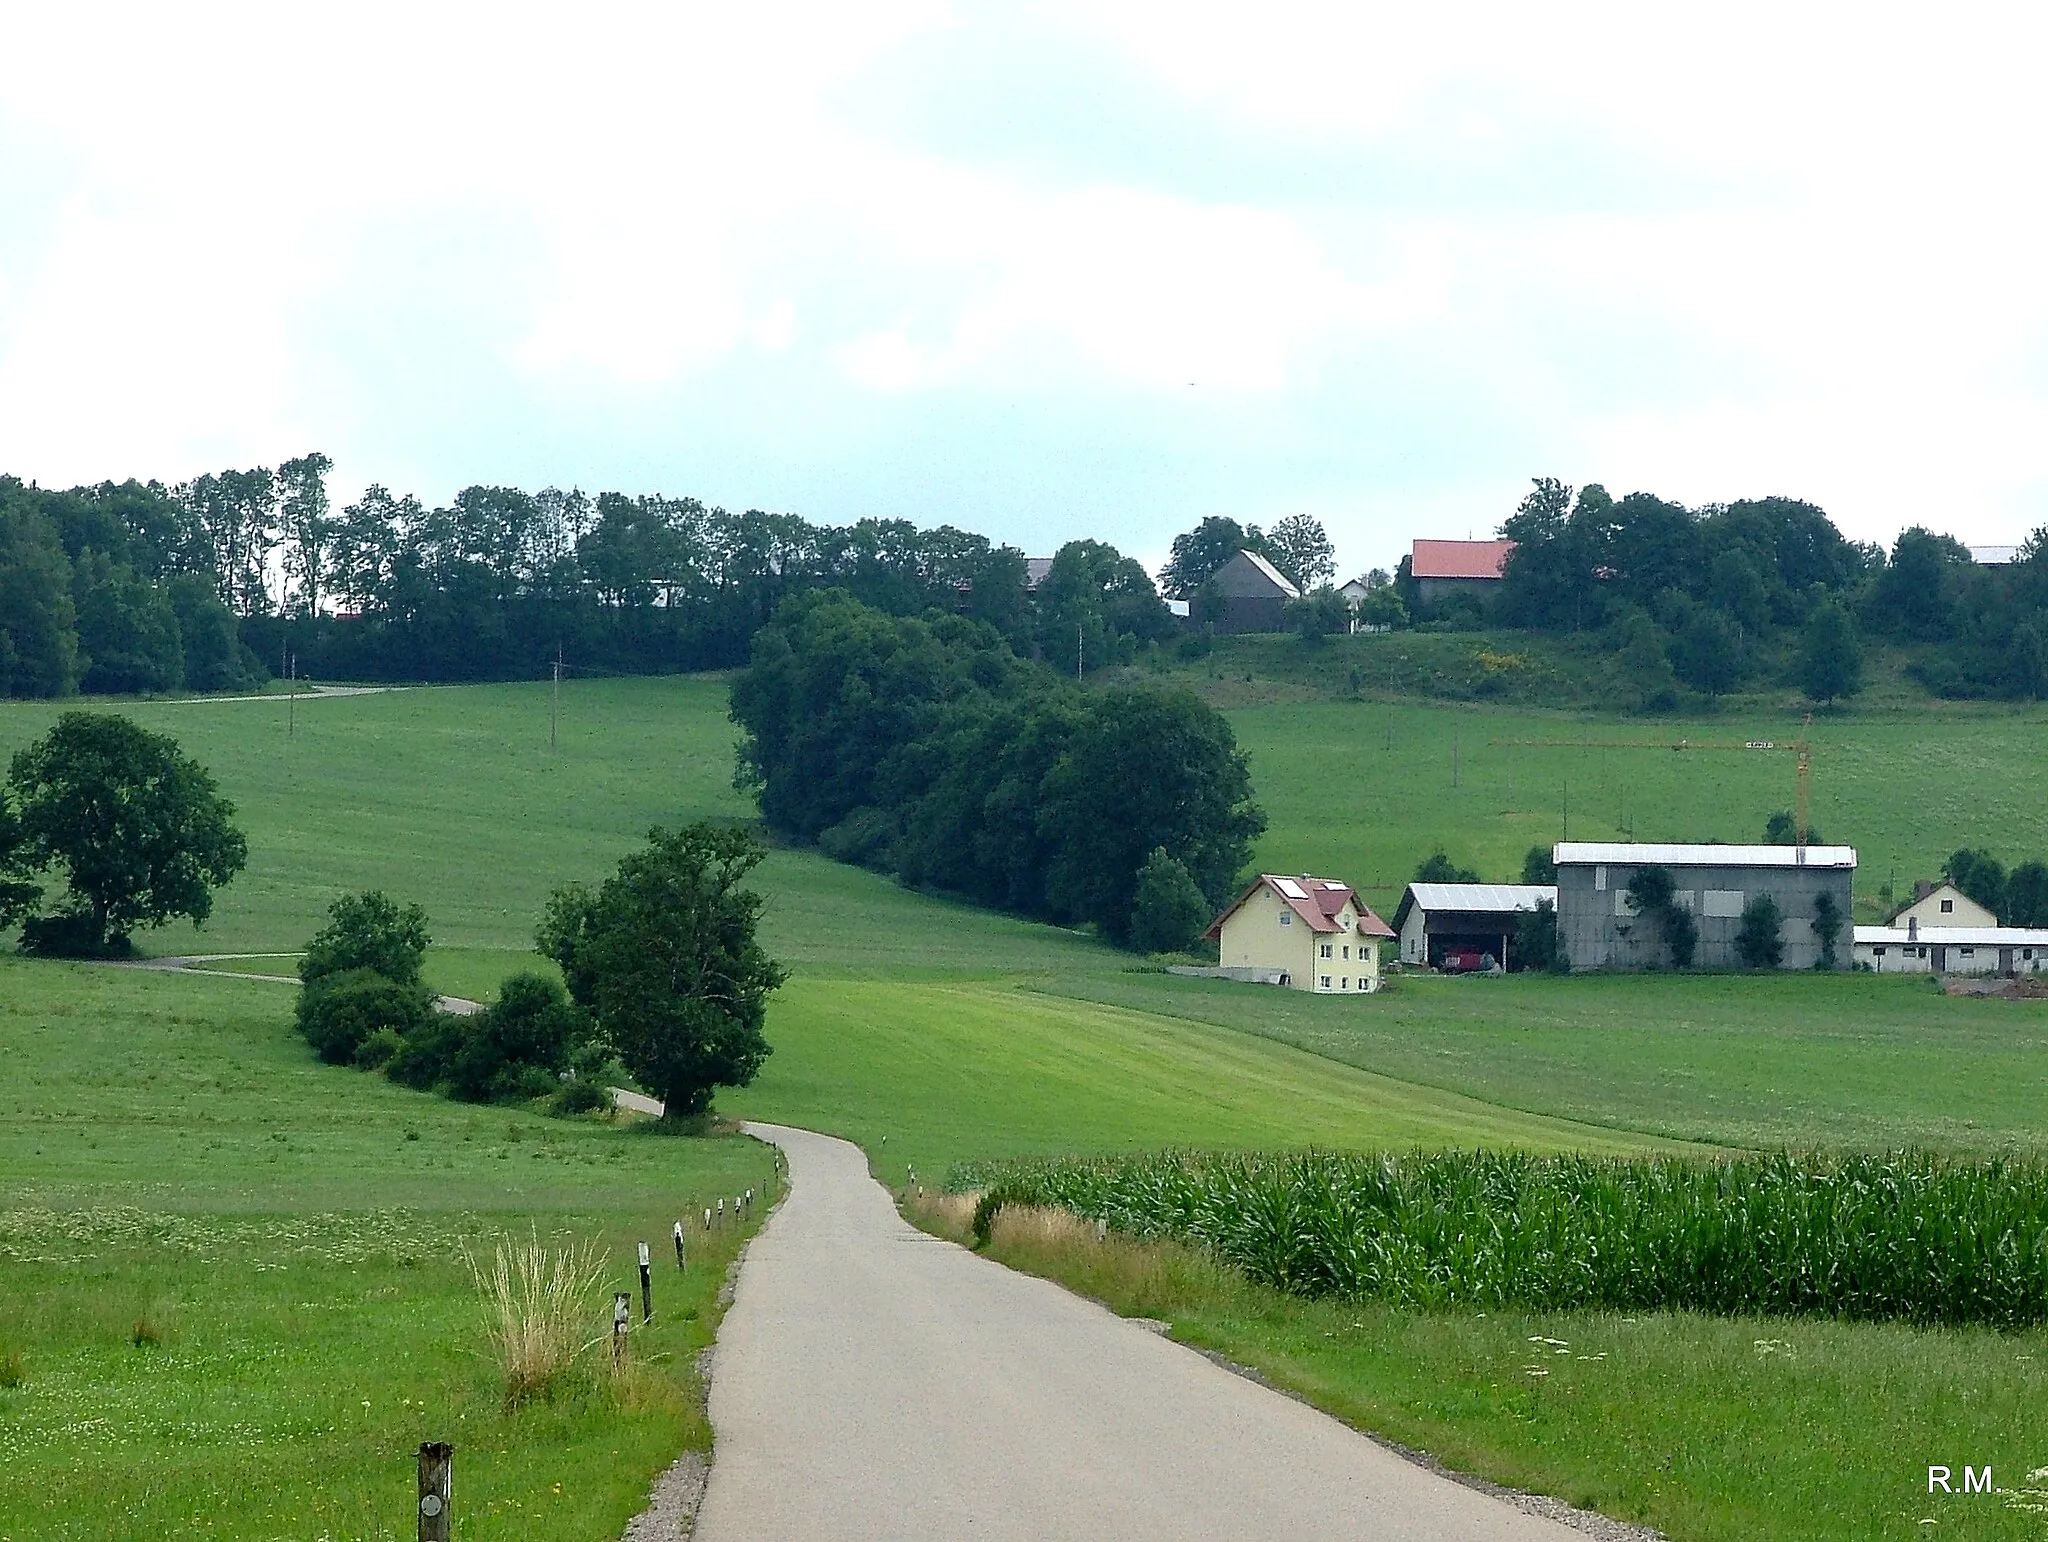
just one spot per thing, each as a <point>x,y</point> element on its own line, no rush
<point>681,1262</point>
<point>437,1489</point>
<point>622,1315</point>
<point>707,1218</point>
<point>646,1286</point>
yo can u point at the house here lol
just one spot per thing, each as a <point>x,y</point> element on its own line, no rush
<point>1036,570</point>
<point>1443,569</point>
<point>1464,921</point>
<point>1353,593</point>
<point>1994,556</point>
<point>1942,904</point>
<point>1313,934</point>
<point>1597,923</point>
<point>1246,594</point>
<point>1917,949</point>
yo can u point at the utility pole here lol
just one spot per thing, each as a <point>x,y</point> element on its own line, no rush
<point>555,698</point>
<point>291,718</point>
<point>1077,650</point>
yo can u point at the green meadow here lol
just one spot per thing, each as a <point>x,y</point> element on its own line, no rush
<point>171,1151</point>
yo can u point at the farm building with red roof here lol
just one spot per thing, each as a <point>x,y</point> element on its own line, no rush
<point>1443,569</point>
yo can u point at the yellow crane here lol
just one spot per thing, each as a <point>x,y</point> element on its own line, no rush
<point>1801,747</point>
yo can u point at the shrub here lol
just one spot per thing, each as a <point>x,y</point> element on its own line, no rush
<point>338,1012</point>
<point>1535,945</point>
<point>368,931</point>
<point>1827,928</point>
<point>13,1370</point>
<point>1169,910</point>
<point>517,1048</point>
<point>540,1307</point>
<point>377,1050</point>
<point>579,1096</point>
<point>1760,941</point>
<point>71,934</point>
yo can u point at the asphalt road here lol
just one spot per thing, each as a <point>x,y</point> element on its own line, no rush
<point>874,1382</point>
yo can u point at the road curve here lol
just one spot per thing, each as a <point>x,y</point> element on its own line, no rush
<point>874,1382</point>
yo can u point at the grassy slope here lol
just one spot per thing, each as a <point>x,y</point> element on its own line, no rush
<point>170,1152</point>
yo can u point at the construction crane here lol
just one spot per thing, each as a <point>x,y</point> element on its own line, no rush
<point>1801,747</point>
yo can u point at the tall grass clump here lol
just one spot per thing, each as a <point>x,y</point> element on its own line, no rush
<point>1908,1236</point>
<point>540,1307</point>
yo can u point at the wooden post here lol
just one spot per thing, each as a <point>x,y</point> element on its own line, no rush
<point>622,1314</point>
<point>721,1210</point>
<point>707,1218</point>
<point>681,1261</point>
<point>437,1489</point>
<point>646,1286</point>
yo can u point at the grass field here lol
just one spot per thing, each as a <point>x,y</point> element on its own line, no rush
<point>174,1166</point>
<point>185,1109</point>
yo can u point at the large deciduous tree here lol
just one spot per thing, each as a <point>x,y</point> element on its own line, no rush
<point>1299,547</point>
<point>1198,553</point>
<point>138,828</point>
<point>1830,655</point>
<point>664,956</point>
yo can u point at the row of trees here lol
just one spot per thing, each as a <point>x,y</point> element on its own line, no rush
<point>924,746</point>
<point>1708,598</point>
<point>2017,898</point>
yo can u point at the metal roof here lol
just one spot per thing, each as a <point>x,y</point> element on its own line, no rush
<point>1459,559</point>
<point>1619,854</point>
<point>1482,896</point>
<point>1956,936</point>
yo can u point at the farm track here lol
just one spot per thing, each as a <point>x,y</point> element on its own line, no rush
<point>875,1382</point>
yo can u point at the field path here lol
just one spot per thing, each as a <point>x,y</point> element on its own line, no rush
<point>871,1381</point>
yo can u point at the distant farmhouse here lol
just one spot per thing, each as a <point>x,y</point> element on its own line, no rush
<point>1246,594</point>
<point>1442,569</point>
<point>1944,931</point>
<point>1312,934</point>
<point>1464,927</point>
<point>1598,927</point>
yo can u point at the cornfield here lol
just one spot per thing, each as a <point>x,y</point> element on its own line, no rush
<point>1908,1236</point>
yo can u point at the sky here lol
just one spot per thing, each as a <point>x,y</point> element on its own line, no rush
<point>1069,270</point>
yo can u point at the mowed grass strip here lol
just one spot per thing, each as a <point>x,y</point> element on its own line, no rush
<point>1708,1429</point>
<point>1766,1061</point>
<point>235,1278</point>
<point>953,1072</point>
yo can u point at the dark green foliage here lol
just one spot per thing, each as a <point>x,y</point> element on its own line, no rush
<point>368,931</point>
<point>1197,555</point>
<point>1169,911</point>
<point>1437,867</point>
<point>206,628</point>
<point>1535,945</point>
<point>1298,546</point>
<point>1906,1237</point>
<point>531,1028</point>
<point>138,829</point>
<point>1707,652</point>
<point>1317,614</point>
<point>2026,896</point>
<point>126,629</point>
<point>1653,893</point>
<point>1095,607</point>
<point>1827,928</point>
<point>927,748</point>
<point>1645,656</point>
<point>663,955</point>
<point>579,1096</point>
<point>1781,829</point>
<point>1830,654</point>
<point>338,1013</point>
<point>37,615</point>
<point>1537,866</point>
<point>1913,596</point>
<point>1981,876</point>
<point>1760,940</point>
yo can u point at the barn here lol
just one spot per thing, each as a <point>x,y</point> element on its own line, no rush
<point>1598,927</point>
<point>1461,921</point>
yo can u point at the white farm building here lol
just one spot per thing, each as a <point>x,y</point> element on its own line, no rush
<point>1917,949</point>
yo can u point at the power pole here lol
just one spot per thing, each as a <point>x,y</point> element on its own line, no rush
<point>555,698</point>
<point>291,719</point>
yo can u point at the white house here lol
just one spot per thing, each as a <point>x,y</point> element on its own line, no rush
<point>1312,934</point>
<point>1917,949</point>
<point>1943,904</point>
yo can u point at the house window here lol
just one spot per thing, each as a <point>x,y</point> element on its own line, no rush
<point>1286,918</point>
<point>1969,953</point>
<point>1326,950</point>
<point>1326,982</point>
<point>1877,952</point>
<point>1345,983</point>
<point>1947,906</point>
<point>1347,950</point>
<point>1923,953</point>
<point>2026,952</point>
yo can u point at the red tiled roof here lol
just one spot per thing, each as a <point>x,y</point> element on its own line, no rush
<point>1459,559</point>
<point>1317,901</point>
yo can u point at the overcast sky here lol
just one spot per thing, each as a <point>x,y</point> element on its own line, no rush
<point>1090,269</point>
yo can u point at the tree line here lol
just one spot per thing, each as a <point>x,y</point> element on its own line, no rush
<point>926,747</point>
<point>1710,598</point>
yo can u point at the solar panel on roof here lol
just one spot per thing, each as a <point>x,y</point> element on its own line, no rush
<point>1290,888</point>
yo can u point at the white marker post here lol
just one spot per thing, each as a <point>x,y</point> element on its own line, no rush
<point>646,1286</point>
<point>681,1262</point>
<point>622,1314</point>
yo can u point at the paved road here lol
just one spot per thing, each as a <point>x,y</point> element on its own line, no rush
<point>195,963</point>
<point>872,1382</point>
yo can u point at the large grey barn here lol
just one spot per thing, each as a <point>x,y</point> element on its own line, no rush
<point>1597,929</point>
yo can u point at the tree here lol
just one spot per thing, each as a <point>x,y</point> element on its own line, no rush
<point>302,515</point>
<point>1979,875</point>
<point>1654,894</point>
<point>1781,829</point>
<point>1317,614</point>
<point>1827,928</point>
<point>664,957</point>
<point>1535,945</point>
<point>1911,597</point>
<point>18,896</point>
<point>1537,866</point>
<point>2026,896</point>
<point>359,1016</point>
<point>1197,554</point>
<point>212,653</point>
<point>1830,654</point>
<point>139,828</point>
<point>1169,910</point>
<point>1646,663</point>
<point>1760,941</point>
<point>37,615</point>
<point>368,931</point>
<point>1382,609</point>
<point>1708,652</point>
<point>1298,547</point>
<point>126,627</point>
<point>1438,868</point>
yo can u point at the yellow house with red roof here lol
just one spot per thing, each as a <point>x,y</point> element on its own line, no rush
<point>1313,934</point>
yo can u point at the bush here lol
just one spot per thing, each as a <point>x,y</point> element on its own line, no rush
<point>368,931</point>
<point>71,934</point>
<point>579,1097</point>
<point>1169,910</point>
<point>865,838</point>
<point>518,1048</point>
<point>1760,941</point>
<point>339,1012</point>
<point>1535,945</point>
